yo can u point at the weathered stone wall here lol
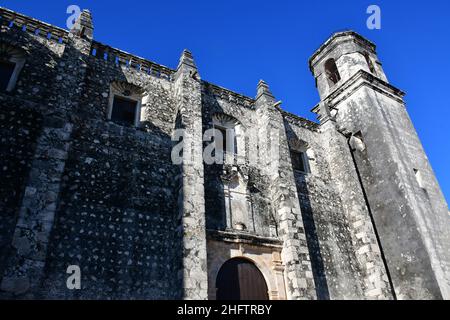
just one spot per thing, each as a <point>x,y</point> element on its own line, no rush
<point>104,194</point>
<point>19,130</point>
<point>401,206</point>
<point>28,116</point>
<point>116,217</point>
<point>158,109</point>
<point>22,116</point>
<point>217,100</point>
<point>333,257</point>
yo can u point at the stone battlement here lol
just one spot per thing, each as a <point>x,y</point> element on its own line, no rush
<point>13,20</point>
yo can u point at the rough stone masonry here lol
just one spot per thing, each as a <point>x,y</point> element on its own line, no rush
<point>351,208</point>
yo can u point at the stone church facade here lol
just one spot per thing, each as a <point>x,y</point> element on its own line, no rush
<point>345,208</point>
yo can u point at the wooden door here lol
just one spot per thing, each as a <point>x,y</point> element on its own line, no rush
<point>240,279</point>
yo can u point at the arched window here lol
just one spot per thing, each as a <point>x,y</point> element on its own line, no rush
<point>332,72</point>
<point>228,131</point>
<point>12,60</point>
<point>240,279</point>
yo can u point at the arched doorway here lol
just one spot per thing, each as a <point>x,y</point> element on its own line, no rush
<point>240,279</point>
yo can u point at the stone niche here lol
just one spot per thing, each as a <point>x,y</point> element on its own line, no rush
<point>265,253</point>
<point>237,201</point>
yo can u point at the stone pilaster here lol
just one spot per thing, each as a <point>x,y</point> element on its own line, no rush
<point>276,160</point>
<point>25,267</point>
<point>373,279</point>
<point>191,199</point>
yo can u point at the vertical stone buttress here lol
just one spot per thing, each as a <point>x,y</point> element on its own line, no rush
<point>25,267</point>
<point>191,199</point>
<point>274,156</point>
<point>372,278</point>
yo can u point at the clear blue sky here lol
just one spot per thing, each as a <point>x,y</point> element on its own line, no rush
<point>236,43</point>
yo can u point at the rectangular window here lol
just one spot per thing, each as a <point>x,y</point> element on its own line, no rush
<point>124,111</point>
<point>299,161</point>
<point>6,72</point>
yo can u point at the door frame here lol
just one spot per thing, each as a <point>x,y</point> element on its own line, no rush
<point>266,258</point>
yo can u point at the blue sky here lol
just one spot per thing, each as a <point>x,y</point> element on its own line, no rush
<point>236,43</point>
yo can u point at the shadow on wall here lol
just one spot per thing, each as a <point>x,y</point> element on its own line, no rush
<point>117,216</point>
<point>312,238</point>
<point>214,187</point>
<point>21,122</point>
<point>251,212</point>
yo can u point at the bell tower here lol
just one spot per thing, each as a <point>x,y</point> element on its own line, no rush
<point>340,58</point>
<point>407,208</point>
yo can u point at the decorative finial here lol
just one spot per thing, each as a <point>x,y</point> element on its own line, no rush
<point>187,59</point>
<point>263,89</point>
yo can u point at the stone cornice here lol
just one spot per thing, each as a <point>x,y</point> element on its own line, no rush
<point>326,47</point>
<point>358,80</point>
<point>228,95</point>
<point>299,121</point>
<point>243,237</point>
<point>120,57</point>
<point>12,19</point>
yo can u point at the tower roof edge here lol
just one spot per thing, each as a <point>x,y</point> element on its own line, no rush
<point>339,34</point>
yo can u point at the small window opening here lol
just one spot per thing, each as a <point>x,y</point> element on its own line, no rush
<point>299,161</point>
<point>124,111</point>
<point>6,72</point>
<point>332,72</point>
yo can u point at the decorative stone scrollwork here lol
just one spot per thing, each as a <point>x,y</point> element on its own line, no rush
<point>127,89</point>
<point>231,173</point>
<point>9,52</point>
<point>225,120</point>
<point>298,145</point>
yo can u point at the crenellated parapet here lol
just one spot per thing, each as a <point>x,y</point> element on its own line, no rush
<point>228,95</point>
<point>299,121</point>
<point>10,20</point>
<point>121,58</point>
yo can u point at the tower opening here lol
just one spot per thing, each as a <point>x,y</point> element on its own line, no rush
<point>332,72</point>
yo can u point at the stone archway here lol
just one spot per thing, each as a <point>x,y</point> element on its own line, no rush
<point>240,279</point>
